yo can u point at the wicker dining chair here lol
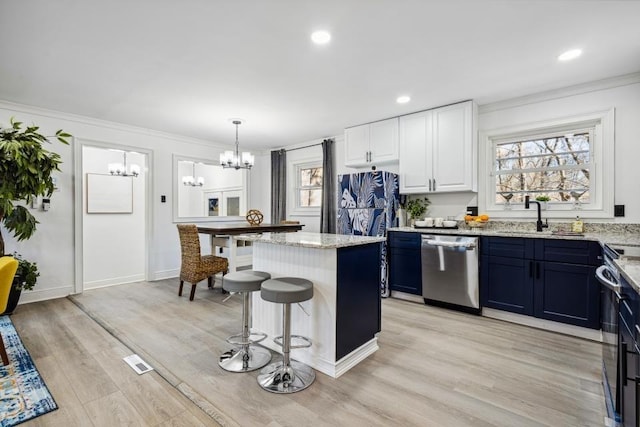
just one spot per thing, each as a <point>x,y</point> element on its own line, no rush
<point>195,266</point>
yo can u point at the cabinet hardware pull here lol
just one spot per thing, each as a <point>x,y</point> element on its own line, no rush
<point>369,156</point>
<point>429,184</point>
<point>623,363</point>
<point>434,184</point>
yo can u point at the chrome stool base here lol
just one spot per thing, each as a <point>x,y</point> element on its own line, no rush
<point>241,360</point>
<point>277,378</point>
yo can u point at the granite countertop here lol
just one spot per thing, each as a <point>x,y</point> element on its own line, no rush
<point>605,234</point>
<point>630,270</point>
<point>311,240</point>
<point>604,237</point>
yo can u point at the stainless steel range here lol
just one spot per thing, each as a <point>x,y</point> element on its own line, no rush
<point>613,292</point>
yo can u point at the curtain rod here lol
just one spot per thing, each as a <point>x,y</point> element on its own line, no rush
<point>306,146</point>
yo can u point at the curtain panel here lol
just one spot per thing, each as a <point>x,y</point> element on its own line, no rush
<point>329,198</point>
<point>278,186</point>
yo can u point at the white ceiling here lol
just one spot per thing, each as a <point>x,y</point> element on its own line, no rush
<point>188,66</point>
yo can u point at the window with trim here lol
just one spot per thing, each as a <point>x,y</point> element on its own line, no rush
<point>309,186</point>
<point>562,162</point>
<point>555,167</point>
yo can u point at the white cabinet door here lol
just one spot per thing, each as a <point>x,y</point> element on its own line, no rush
<point>415,152</point>
<point>437,150</point>
<point>356,143</point>
<point>453,150</point>
<point>383,141</point>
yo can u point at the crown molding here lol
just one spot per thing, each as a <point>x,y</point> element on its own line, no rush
<point>86,120</point>
<point>594,86</point>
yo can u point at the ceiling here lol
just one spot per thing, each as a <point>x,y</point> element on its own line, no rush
<point>186,67</point>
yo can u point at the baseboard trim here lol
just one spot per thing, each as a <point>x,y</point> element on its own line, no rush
<point>165,274</point>
<point>547,325</point>
<point>112,281</point>
<point>42,295</point>
<point>407,297</point>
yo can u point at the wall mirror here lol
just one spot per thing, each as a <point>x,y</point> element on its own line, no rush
<point>204,191</point>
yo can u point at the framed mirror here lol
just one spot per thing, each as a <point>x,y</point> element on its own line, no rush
<point>204,191</point>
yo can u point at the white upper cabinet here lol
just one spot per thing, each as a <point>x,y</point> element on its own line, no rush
<point>438,150</point>
<point>371,144</point>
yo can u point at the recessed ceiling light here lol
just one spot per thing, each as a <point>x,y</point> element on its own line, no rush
<point>320,37</point>
<point>403,99</point>
<point>570,54</point>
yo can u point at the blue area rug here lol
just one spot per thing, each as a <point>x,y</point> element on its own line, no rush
<point>23,393</point>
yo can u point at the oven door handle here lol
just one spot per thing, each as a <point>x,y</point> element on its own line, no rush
<point>600,274</point>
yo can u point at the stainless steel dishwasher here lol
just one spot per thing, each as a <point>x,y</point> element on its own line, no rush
<point>450,271</point>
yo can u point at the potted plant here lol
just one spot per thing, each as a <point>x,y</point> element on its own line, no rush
<point>26,169</point>
<point>25,278</point>
<point>543,201</point>
<point>416,208</point>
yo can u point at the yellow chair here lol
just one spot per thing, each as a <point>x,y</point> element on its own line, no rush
<point>8,268</point>
<point>196,267</point>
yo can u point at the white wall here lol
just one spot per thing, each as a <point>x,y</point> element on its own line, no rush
<point>565,103</point>
<point>52,246</point>
<point>113,244</point>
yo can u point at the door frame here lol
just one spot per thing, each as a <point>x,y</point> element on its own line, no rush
<point>79,191</point>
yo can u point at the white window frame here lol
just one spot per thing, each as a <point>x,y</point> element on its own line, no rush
<point>297,209</point>
<point>601,166</point>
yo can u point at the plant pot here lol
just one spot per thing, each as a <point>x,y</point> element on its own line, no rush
<point>12,302</point>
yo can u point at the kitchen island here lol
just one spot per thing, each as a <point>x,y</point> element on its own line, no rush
<point>343,317</point>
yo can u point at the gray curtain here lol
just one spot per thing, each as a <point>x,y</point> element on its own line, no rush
<point>329,178</point>
<point>278,186</point>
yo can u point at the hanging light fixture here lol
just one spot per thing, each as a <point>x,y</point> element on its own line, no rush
<point>192,180</point>
<point>229,159</point>
<point>121,168</point>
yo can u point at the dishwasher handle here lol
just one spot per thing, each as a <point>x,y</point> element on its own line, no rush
<point>601,273</point>
<point>432,242</point>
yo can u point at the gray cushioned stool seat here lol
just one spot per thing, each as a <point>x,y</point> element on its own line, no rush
<point>285,290</point>
<point>244,281</point>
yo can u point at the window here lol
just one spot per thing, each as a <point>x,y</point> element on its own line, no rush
<point>309,186</point>
<point>556,166</point>
<point>568,162</point>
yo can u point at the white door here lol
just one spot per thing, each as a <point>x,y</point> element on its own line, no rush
<point>383,141</point>
<point>415,154</point>
<point>452,148</point>
<point>356,143</point>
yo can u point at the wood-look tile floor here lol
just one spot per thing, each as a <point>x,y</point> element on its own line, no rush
<point>435,367</point>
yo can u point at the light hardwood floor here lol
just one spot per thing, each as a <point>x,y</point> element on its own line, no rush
<point>435,367</point>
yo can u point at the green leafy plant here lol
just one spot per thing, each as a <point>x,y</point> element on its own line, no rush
<point>26,275</point>
<point>543,198</point>
<point>26,169</point>
<point>417,207</point>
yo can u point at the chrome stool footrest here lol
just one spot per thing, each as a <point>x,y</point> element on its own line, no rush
<point>237,339</point>
<point>278,378</point>
<point>241,360</point>
<point>307,341</point>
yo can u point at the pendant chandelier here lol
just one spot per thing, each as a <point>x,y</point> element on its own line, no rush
<point>192,180</point>
<point>229,159</point>
<point>121,169</point>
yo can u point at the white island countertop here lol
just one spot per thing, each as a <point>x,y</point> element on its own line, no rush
<point>312,240</point>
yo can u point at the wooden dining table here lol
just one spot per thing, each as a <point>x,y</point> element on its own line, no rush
<point>224,231</point>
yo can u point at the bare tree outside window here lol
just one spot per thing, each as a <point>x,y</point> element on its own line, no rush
<point>310,188</point>
<point>556,166</point>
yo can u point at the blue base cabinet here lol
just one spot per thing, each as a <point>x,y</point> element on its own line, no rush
<point>507,284</point>
<point>405,265</point>
<point>546,278</point>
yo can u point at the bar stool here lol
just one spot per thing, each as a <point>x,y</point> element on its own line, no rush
<point>287,376</point>
<point>245,357</point>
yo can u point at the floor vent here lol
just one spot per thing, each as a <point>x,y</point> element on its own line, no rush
<point>137,364</point>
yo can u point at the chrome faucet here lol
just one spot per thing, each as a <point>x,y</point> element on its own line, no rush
<point>539,224</point>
